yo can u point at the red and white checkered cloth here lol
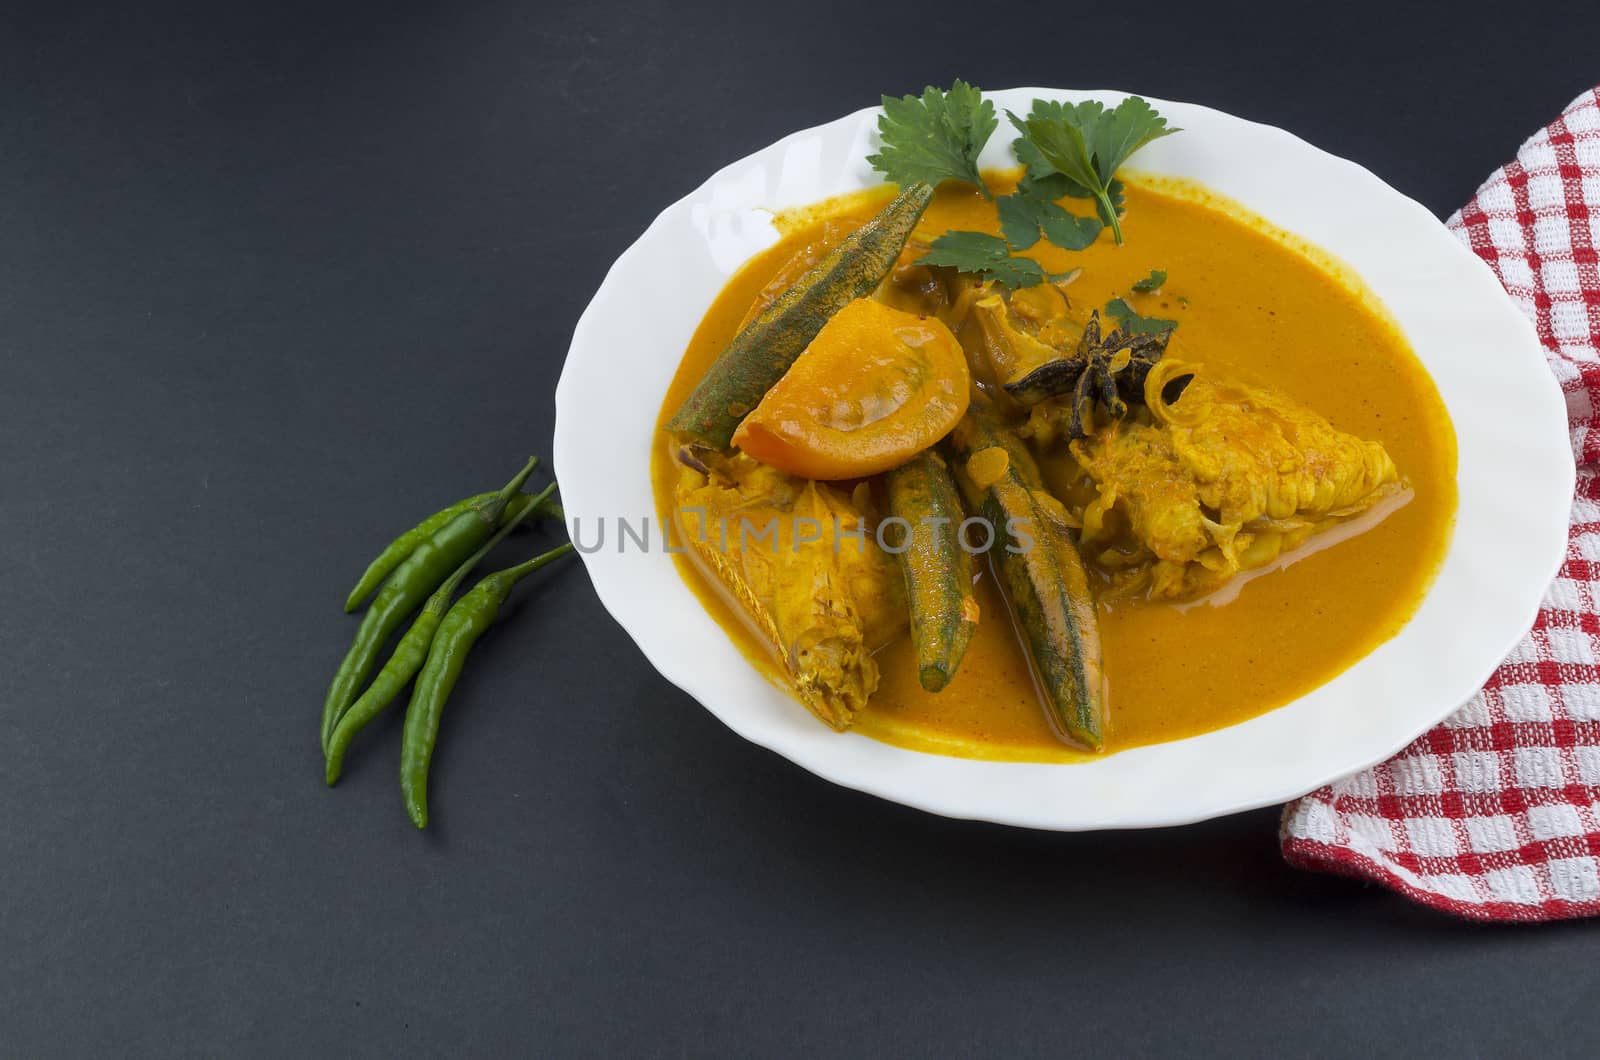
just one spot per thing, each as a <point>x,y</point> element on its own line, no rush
<point>1495,814</point>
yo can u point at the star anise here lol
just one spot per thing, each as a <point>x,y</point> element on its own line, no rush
<point>1109,369</point>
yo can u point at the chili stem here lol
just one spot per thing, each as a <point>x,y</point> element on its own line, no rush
<point>453,582</point>
<point>492,510</point>
<point>522,570</point>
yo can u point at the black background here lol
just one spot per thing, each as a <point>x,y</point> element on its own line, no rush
<point>275,282</point>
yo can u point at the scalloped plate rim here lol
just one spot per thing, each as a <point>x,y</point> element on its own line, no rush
<point>1135,788</point>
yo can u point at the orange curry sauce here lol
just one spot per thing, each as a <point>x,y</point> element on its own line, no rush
<point>1252,303</point>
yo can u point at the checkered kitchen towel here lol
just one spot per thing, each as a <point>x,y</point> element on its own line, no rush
<point>1495,814</point>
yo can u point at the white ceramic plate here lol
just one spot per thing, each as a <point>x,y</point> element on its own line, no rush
<point>1515,480</point>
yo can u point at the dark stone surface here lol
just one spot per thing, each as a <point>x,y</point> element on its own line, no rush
<point>273,282</point>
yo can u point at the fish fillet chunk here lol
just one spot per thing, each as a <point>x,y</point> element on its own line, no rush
<point>802,561</point>
<point>1221,479</point>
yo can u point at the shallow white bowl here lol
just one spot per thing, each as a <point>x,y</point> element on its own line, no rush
<point>1515,480</point>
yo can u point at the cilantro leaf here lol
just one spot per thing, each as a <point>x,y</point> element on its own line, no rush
<point>1043,182</point>
<point>1134,324</point>
<point>1123,130</point>
<point>1151,282</point>
<point>936,137</point>
<point>1023,218</point>
<point>1060,134</point>
<point>1019,220</point>
<point>1086,144</point>
<point>985,256</point>
<point>1069,231</point>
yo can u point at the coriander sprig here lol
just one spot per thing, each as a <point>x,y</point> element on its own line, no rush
<point>986,257</point>
<point>1024,217</point>
<point>1151,282</point>
<point>1130,321</point>
<point>935,137</point>
<point>1086,144</point>
<point>1068,149</point>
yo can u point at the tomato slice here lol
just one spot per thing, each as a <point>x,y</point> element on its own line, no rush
<point>874,388</point>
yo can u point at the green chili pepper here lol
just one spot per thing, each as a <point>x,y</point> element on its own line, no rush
<point>402,546</point>
<point>458,632</point>
<point>418,575</point>
<point>391,557</point>
<point>412,650</point>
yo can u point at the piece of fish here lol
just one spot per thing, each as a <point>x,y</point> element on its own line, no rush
<point>1223,478</point>
<point>802,560</point>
